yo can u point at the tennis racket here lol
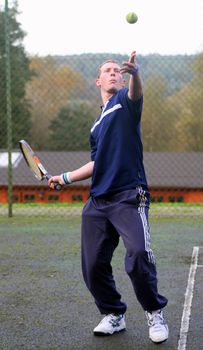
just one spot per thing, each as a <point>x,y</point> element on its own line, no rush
<point>35,164</point>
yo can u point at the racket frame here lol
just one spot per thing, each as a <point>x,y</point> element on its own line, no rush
<point>42,170</point>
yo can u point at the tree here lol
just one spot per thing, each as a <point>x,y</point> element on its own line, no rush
<point>20,74</point>
<point>186,109</point>
<point>70,130</point>
<point>49,90</point>
<point>155,123</point>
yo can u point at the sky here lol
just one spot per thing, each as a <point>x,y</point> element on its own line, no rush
<point>65,27</point>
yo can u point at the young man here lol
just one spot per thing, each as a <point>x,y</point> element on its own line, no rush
<point>118,204</point>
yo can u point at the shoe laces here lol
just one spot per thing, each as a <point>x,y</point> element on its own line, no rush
<point>155,318</point>
<point>112,319</point>
<point>115,320</point>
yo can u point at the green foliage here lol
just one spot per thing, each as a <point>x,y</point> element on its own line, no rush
<point>155,122</point>
<point>172,97</point>
<point>185,108</point>
<point>177,70</point>
<point>48,91</point>
<point>20,74</point>
<point>70,130</point>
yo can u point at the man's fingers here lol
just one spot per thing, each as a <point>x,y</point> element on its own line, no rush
<point>132,57</point>
<point>127,67</point>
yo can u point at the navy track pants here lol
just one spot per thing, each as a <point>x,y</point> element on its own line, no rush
<point>104,220</point>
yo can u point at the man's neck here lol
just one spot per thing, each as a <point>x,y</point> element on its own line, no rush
<point>105,97</point>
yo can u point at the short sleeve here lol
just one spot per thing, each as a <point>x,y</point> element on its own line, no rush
<point>93,148</point>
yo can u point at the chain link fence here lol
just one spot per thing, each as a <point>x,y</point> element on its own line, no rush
<point>52,101</point>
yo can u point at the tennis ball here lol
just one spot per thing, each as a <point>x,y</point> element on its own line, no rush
<point>131,17</point>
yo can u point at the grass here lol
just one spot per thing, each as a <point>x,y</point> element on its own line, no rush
<point>45,304</point>
<point>51,205</point>
<point>80,204</point>
<point>172,210</point>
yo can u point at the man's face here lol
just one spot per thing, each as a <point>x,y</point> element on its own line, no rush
<point>110,79</point>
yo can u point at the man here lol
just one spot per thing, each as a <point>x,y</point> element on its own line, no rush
<point>118,204</point>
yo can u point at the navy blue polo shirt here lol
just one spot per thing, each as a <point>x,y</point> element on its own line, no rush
<point>116,146</point>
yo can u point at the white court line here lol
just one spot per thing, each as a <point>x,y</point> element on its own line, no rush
<point>188,301</point>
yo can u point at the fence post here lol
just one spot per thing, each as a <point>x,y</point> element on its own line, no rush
<point>8,108</point>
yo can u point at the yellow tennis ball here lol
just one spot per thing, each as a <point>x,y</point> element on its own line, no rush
<point>131,17</point>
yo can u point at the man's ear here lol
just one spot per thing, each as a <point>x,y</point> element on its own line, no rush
<point>97,81</point>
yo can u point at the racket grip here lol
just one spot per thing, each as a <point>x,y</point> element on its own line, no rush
<point>57,185</point>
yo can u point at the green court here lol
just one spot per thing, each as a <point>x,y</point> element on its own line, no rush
<point>45,304</point>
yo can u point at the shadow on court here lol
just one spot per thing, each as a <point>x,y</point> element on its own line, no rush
<point>45,304</point>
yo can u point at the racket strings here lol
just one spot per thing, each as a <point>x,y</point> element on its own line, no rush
<point>32,163</point>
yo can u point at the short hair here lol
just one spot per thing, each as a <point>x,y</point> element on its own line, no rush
<point>107,61</point>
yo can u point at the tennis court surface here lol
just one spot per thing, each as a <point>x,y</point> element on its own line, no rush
<point>44,303</point>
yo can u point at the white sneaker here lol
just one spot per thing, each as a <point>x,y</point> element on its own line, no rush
<point>110,324</point>
<point>158,329</point>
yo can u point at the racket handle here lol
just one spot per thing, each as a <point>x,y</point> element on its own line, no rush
<point>57,185</point>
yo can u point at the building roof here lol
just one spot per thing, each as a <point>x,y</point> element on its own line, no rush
<point>171,169</point>
<point>163,169</point>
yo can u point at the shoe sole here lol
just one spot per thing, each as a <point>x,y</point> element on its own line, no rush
<point>159,342</point>
<point>102,334</point>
